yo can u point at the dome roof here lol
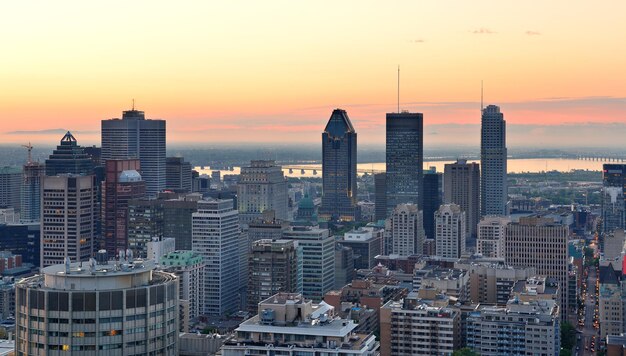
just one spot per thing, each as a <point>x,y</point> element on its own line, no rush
<point>306,203</point>
<point>130,176</point>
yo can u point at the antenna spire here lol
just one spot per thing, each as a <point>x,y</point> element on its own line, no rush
<point>481,97</point>
<point>398,89</point>
<point>133,104</point>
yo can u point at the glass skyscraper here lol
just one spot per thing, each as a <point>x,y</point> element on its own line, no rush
<point>134,137</point>
<point>339,196</point>
<point>405,159</point>
<point>493,155</point>
<point>69,158</point>
<point>613,197</point>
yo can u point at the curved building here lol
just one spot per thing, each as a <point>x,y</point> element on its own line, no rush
<point>108,308</point>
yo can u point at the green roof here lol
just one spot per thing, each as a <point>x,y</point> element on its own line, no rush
<point>181,258</point>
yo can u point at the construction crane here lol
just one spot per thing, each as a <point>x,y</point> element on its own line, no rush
<point>30,149</point>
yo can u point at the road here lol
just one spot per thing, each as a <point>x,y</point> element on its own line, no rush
<point>588,331</point>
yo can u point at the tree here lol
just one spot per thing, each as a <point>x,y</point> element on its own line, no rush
<point>568,336</point>
<point>466,351</point>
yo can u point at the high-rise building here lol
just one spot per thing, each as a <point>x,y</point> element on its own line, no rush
<point>69,158</point>
<point>339,188</point>
<point>344,265</point>
<point>177,213</point>
<point>412,327</point>
<point>188,266</point>
<point>318,259</point>
<point>519,328</point>
<point>99,308</point>
<point>380,197</point>
<point>404,159</point>
<point>610,302</point>
<point>10,187</point>
<point>432,200</point>
<point>491,236</point>
<point>145,222</point>
<point>134,137</point>
<point>287,324</point>
<point>613,197</point>
<point>404,231</point>
<point>178,176</point>
<point>275,266</point>
<point>30,195</point>
<point>491,283</point>
<point>366,243</point>
<point>450,231</point>
<point>122,183</point>
<point>493,157</point>
<point>462,187</point>
<point>67,221</point>
<point>540,243</point>
<point>22,239</point>
<point>262,186</point>
<point>215,236</point>
<point>266,227</point>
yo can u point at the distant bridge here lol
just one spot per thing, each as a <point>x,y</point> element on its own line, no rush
<point>602,158</point>
<point>315,170</point>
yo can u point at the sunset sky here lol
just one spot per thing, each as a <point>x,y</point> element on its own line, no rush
<point>272,71</point>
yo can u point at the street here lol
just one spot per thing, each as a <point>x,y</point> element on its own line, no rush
<point>588,331</point>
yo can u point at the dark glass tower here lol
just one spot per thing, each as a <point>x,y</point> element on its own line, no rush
<point>339,196</point>
<point>405,159</point>
<point>493,187</point>
<point>613,197</point>
<point>432,200</point>
<point>380,196</point>
<point>69,157</point>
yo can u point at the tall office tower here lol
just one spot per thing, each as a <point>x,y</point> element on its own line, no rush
<point>461,186</point>
<point>215,235</point>
<point>540,243</point>
<point>380,197</point>
<point>98,308</point>
<point>493,156</point>
<point>30,195</point>
<point>122,183</point>
<point>135,137</point>
<point>432,200</point>
<point>404,159</point>
<point>613,197</point>
<point>69,158</point>
<point>339,189</point>
<point>177,213</point>
<point>435,328</point>
<point>67,221</point>
<point>10,187</point>
<point>491,236</point>
<point>344,265</point>
<point>145,222</point>
<point>188,267</point>
<point>266,227</point>
<point>262,186</point>
<point>450,231</point>
<point>274,267</point>
<point>404,230</point>
<point>367,243</point>
<point>318,259</point>
<point>178,175</point>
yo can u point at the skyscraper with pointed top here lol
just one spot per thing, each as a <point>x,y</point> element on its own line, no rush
<point>134,137</point>
<point>493,156</point>
<point>339,195</point>
<point>69,158</point>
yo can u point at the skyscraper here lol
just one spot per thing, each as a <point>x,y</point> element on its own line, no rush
<point>215,236</point>
<point>178,175</point>
<point>450,231</point>
<point>404,159</point>
<point>262,186</point>
<point>30,195</point>
<point>10,186</point>
<point>67,221</point>
<point>462,187</point>
<point>491,236</point>
<point>134,137</point>
<point>69,158</point>
<point>380,197</point>
<point>613,197</point>
<point>432,200</point>
<point>404,230</point>
<point>493,156</point>
<point>122,184</point>
<point>339,189</point>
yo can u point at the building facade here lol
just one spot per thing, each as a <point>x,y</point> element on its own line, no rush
<point>380,197</point>
<point>30,195</point>
<point>67,219</point>
<point>134,137</point>
<point>178,175</point>
<point>262,186</point>
<point>404,230</point>
<point>450,231</point>
<point>613,197</point>
<point>491,236</point>
<point>433,184</point>
<point>493,158</point>
<point>10,187</point>
<point>339,188</point>
<point>462,187</point>
<point>188,266</point>
<point>111,309</point>
<point>366,243</point>
<point>69,158</point>
<point>404,159</point>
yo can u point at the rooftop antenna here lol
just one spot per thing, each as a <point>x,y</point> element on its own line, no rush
<point>30,149</point>
<point>481,97</point>
<point>398,89</point>
<point>133,104</point>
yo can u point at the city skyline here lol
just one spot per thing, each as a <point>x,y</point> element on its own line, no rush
<point>67,71</point>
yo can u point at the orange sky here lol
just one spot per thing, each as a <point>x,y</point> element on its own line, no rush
<point>274,70</point>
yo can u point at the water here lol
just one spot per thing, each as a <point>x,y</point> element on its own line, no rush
<point>514,166</point>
